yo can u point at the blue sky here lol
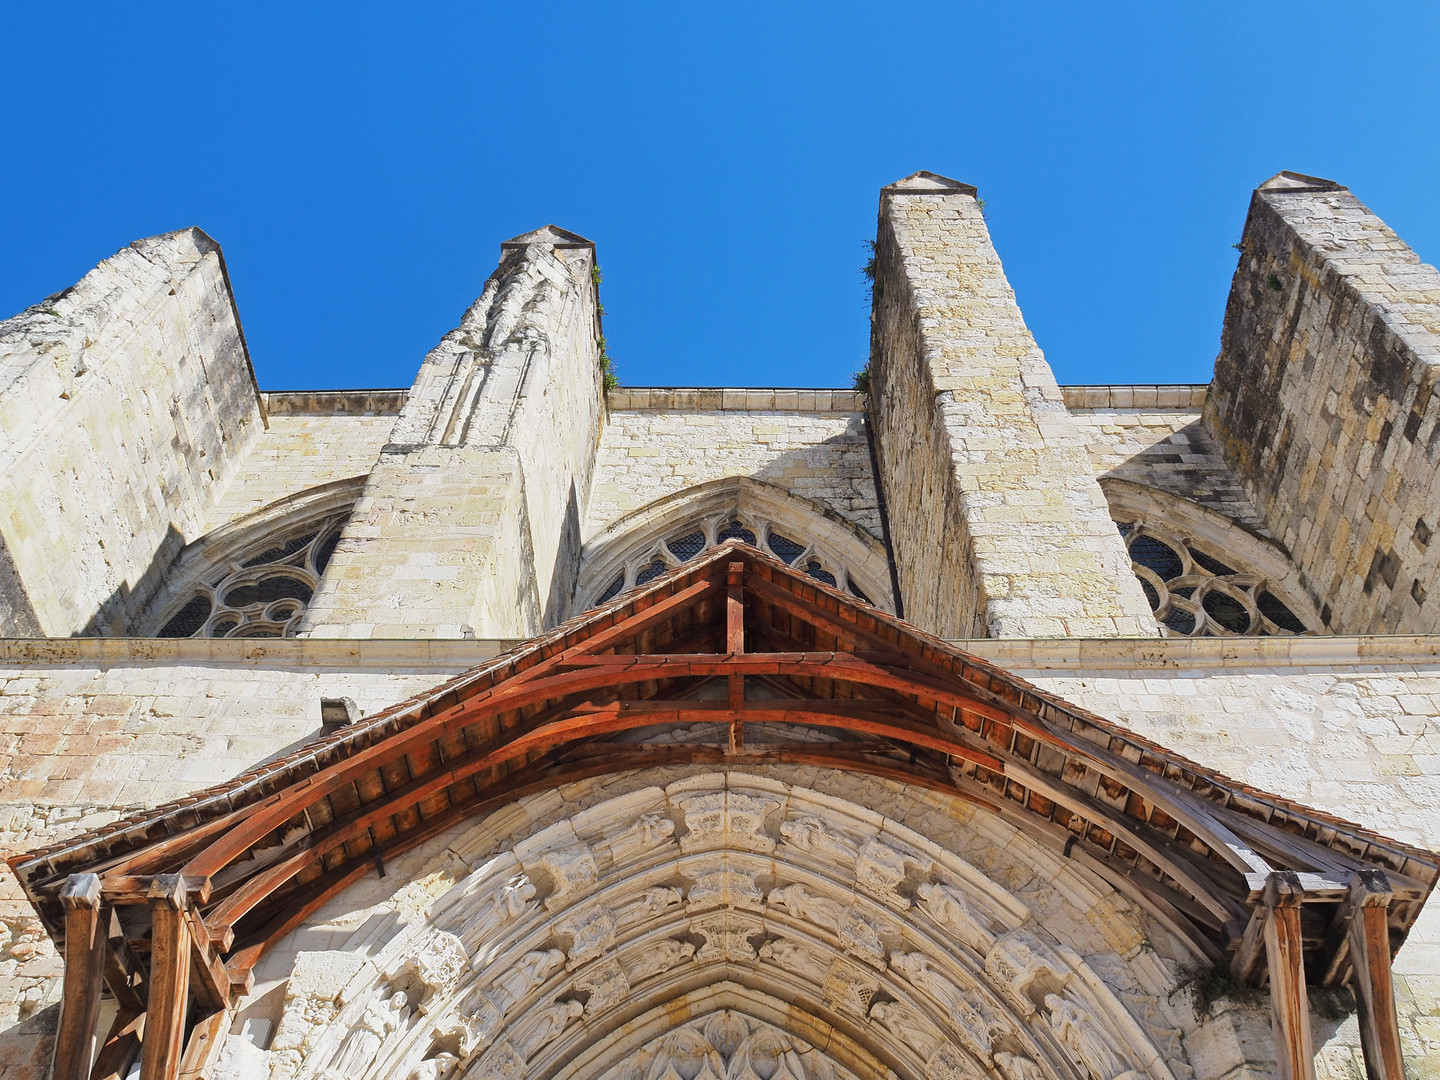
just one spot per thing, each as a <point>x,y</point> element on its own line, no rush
<point>360,164</point>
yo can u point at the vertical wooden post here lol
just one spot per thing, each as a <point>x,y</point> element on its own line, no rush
<point>169,979</point>
<point>1370,978</point>
<point>735,645</point>
<point>1285,955</point>
<point>86,922</point>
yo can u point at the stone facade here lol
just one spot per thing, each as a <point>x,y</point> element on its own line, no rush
<point>506,492</point>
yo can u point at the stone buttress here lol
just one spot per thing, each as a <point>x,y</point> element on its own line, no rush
<point>127,404</point>
<point>469,523</point>
<point>1324,401</point>
<point>998,526</point>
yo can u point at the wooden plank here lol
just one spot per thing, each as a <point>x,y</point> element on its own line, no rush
<point>1285,954</point>
<point>86,921</point>
<point>122,1046</point>
<point>169,979</point>
<point>124,974</point>
<point>1371,978</point>
<point>134,889</point>
<point>207,1038</point>
<point>209,977</point>
<point>1249,958</point>
<point>735,643</point>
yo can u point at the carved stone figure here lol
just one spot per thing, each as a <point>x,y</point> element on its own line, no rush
<point>948,907</point>
<point>591,932</point>
<point>434,1068</point>
<point>381,1018</point>
<point>439,962</point>
<point>879,870</point>
<point>732,818</point>
<point>1016,1067</point>
<point>503,1062</point>
<point>849,988</point>
<point>727,936</point>
<point>651,903</point>
<point>529,972</point>
<point>508,903</point>
<point>915,967</point>
<point>606,984</point>
<point>796,959</point>
<point>813,835</point>
<point>547,1027</point>
<point>473,1025</point>
<point>722,885</point>
<point>803,904</point>
<point>974,1029</point>
<point>571,871</point>
<point>658,957</point>
<point>908,1026</point>
<point>1016,961</point>
<point>860,937</point>
<point>950,1064</point>
<point>1083,1037</point>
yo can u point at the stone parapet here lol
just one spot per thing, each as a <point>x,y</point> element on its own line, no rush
<point>335,402</point>
<point>1140,396</point>
<point>711,399</point>
<point>997,523</point>
<point>1324,401</point>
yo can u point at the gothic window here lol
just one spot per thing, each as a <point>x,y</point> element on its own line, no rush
<point>649,561</point>
<point>1196,593</point>
<point>263,591</point>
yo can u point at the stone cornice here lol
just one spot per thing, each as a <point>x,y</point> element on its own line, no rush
<point>1024,654</point>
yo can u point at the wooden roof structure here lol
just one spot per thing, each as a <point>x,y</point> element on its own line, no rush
<point>174,907</point>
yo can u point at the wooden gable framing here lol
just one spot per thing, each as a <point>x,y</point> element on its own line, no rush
<point>172,909</point>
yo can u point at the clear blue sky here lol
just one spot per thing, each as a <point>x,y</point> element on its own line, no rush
<point>361,163</point>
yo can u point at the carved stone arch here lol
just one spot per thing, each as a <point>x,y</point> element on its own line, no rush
<point>853,559</point>
<point>1258,565</point>
<point>570,947</point>
<point>222,553</point>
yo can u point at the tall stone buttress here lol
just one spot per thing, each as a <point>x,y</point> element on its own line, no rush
<point>1324,402</point>
<point>470,521</point>
<point>998,525</point>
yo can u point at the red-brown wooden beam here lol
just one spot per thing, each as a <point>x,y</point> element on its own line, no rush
<point>735,645</point>
<point>169,996</point>
<point>86,922</point>
<point>1371,978</point>
<point>1285,954</point>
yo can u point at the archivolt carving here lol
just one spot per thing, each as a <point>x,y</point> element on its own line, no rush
<point>505,977</point>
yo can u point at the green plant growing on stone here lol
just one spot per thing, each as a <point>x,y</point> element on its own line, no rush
<point>596,276</point>
<point>861,381</point>
<point>982,204</point>
<point>607,368</point>
<point>869,272</point>
<point>1272,282</point>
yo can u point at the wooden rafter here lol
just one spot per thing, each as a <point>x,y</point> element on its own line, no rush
<point>212,882</point>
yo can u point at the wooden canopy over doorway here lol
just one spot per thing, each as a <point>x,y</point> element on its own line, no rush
<point>171,910</point>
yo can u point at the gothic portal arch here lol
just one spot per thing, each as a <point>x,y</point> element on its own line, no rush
<point>735,925</point>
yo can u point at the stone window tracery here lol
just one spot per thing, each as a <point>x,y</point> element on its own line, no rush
<point>689,540</point>
<point>1195,593</point>
<point>263,591</point>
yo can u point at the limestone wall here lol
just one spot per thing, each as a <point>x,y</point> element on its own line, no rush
<point>657,442</point>
<point>1153,436</point>
<point>470,522</point>
<point>1323,401</point>
<point>127,403</point>
<point>997,524</point>
<point>311,439</point>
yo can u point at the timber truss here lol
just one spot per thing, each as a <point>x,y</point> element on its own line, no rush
<point>732,660</point>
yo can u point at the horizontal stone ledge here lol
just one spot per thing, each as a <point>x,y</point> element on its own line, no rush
<point>457,654</point>
<point>1146,396</point>
<point>334,402</point>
